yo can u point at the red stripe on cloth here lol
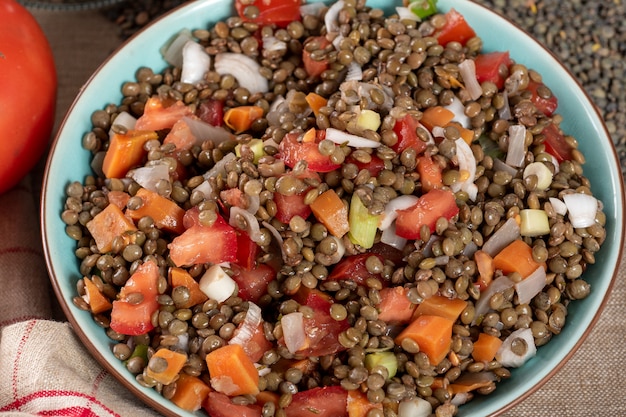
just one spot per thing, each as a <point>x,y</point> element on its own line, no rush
<point>99,378</point>
<point>21,319</point>
<point>18,354</point>
<point>21,249</point>
<point>18,403</point>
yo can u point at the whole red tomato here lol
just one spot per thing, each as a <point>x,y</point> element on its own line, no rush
<point>27,93</point>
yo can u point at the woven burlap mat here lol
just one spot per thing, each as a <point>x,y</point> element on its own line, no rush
<point>589,384</point>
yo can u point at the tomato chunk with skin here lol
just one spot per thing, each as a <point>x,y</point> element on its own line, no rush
<point>555,143</point>
<point>291,151</point>
<point>288,206</point>
<point>489,67</point>
<point>354,267</point>
<point>312,67</point>
<point>456,29</point>
<point>200,244</point>
<point>374,166</point>
<point>212,112</point>
<point>247,250</point>
<point>429,207</point>
<point>277,12</point>
<point>157,115</point>
<point>329,401</point>
<point>131,318</point>
<point>546,105</point>
<point>220,405</point>
<point>253,283</point>
<point>406,131</point>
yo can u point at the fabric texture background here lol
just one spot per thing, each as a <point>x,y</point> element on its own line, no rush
<point>44,369</point>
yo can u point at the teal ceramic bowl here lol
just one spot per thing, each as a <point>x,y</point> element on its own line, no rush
<point>68,162</point>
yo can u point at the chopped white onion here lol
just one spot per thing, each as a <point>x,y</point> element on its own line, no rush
<point>460,398</point>
<point>173,51</point>
<point>389,237</point>
<point>499,165</point>
<point>442,260</point>
<point>244,69</point>
<point>402,202</point>
<point>203,131</point>
<point>254,202</point>
<point>149,176</point>
<point>217,284</point>
<point>272,43</point>
<point>516,152</point>
<point>501,238</point>
<point>458,108</point>
<point>292,325</point>
<point>531,285</point>
<point>470,249</point>
<point>505,111</point>
<point>275,111</point>
<point>439,131</point>
<point>508,358</point>
<point>196,62</point>
<point>498,285</point>
<point>253,228</point>
<point>219,169</point>
<point>312,9</point>
<point>340,137</point>
<point>415,407</point>
<point>355,72</point>
<point>331,19</point>
<point>183,342</point>
<point>467,68</point>
<point>205,188</point>
<point>581,209</point>
<point>125,120</point>
<point>467,166</point>
<point>558,206</point>
<point>337,41</point>
<point>404,13</point>
<point>277,236</point>
<point>243,334</point>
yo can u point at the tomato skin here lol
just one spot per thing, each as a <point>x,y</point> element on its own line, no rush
<point>429,207</point>
<point>329,401</point>
<point>405,130</point>
<point>315,68</point>
<point>277,12</point>
<point>456,29</point>
<point>219,405</point>
<point>353,267</point>
<point>291,151</point>
<point>488,67</point>
<point>288,206</point>
<point>545,105</point>
<point>134,319</point>
<point>212,112</point>
<point>555,143</point>
<point>253,283</point>
<point>247,250</point>
<point>28,85</point>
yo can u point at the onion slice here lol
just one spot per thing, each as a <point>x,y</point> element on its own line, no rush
<point>355,72</point>
<point>244,69</point>
<point>125,120</point>
<point>467,166</point>
<point>389,237</point>
<point>516,151</point>
<point>501,238</point>
<point>219,169</point>
<point>402,202</point>
<point>203,131</point>
<point>558,206</point>
<point>458,108</point>
<point>293,331</point>
<point>340,137</point>
<point>467,69</point>
<point>251,322</point>
<point>149,176</point>
<point>531,285</point>
<point>581,209</point>
<point>173,51</point>
<point>481,306</point>
<point>196,63</point>
<point>404,13</point>
<point>331,19</point>
<point>508,358</point>
<point>217,284</point>
<point>414,407</point>
<point>253,229</point>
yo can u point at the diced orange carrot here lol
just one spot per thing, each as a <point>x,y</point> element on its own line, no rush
<point>430,173</point>
<point>107,225</point>
<point>167,215</point>
<point>241,118</point>
<point>125,152</point>
<point>175,362</point>
<point>119,198</point>
<point>316,102</point>
<point>181,136</point>
<point>466,134</point>
<point>484,264</point>
<point>98,303</point>
<point>309,136</point>
<point>330,210</point>
<point>179,277</point>
<point>438,305</point>
<point>436,116</point>
<point>485,347</point>
<point>190,392</point>
<point>395,306</point>
<point>517,257</point>
<point>359,405</point>
<point>159,114</point>
<point>267,397</point>
<point>469,382</point>
<point>433,335</point>
<point>232,372</point>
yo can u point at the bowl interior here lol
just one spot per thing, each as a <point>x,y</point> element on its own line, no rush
<point>69,162</point>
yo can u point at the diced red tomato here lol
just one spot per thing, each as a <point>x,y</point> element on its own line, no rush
<point>555,143</point>
<point>489,67</point>
<point>131,318</point>
<point>359,405</point>
<point>257,345</point>
<point>431,173</point>
<point>322,331</point>
<point>158,115</point>
<point>545,105</point>
<point>247,250</point>
<point>353,268</point>
<point>429,207</point>
<point>200,244</point>
<point>181,136</point>
<point>291,151</point>
<point>388,252</point>
<point>374,166</point>
<point>395,306</point>
<point>406,131</point>
<point>220,405</point>
<point>271,12</point>
<point>288,206</point>
<point>233,197</point>
<point>456,29</point>
<point>315,68</point>
<point>212,112</point>
<point>253,283</point>
<point>319,402</point>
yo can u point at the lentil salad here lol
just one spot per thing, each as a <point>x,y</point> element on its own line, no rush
<point>422,267</point>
